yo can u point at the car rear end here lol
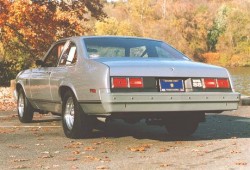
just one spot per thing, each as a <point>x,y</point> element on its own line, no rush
<point>150,79</point>
<point>150,76</point>
<point>165,94</point>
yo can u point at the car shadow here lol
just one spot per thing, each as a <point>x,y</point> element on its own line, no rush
<point>38,118</point>
<point>216,127</point>
<point>47,120</point>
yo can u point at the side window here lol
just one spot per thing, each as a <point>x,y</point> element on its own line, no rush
<point>52,58</point>
<point>69,55</point>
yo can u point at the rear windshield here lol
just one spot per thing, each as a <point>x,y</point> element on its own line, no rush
<point>98,47</point>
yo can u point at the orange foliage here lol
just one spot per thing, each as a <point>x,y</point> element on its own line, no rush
<point>212,58</point>
<point>236,60</point>
<point>27,22</point>
<point>32,26</point>
<point>4,5</point>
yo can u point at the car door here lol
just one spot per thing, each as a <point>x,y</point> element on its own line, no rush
<point>64,70</point>
<point>40,77</point>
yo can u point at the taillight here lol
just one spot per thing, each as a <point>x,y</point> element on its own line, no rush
<point>124,82</point>
<point>210,83</point>
<point>119,82</point>
<point>223,83</point>
<point>135,82</point>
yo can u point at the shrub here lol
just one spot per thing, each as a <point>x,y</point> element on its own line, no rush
<point>9,69</point>
<point>212,58</point>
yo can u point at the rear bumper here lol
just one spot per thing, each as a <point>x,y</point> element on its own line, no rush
<point>162,102</point>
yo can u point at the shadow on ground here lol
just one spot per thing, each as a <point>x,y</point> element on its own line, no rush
<point>218,126</point>
<point>215,127</point>
<point>47,120</point>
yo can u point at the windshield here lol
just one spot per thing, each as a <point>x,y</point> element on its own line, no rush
<point>98,47</point>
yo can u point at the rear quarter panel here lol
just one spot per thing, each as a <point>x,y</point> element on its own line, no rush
<point>89,75</point>
<point>85,75</point>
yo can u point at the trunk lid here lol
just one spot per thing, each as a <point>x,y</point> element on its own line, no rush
<point>158,67</point>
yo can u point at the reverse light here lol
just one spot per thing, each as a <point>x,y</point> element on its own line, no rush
<point>210,83</point>
<point>223,83</point>
<point>119,82</point>
<point>135,82</point>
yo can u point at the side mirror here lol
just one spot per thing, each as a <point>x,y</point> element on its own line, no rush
<point>39,62</point>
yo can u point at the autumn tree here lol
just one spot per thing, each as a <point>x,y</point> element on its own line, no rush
<point>111,26</point>
<point>4,8</point>
<point>28,28</point>
<point>235,42</point>
<point>202,29</point>
<point>134,16</point>
<point>31,26</point>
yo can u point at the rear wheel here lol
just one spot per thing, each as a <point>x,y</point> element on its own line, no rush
<point>76,124</point>
<point>24,108</point>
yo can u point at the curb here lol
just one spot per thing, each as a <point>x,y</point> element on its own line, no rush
<point>245,101</point>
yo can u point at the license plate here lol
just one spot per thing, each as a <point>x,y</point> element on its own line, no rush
<point>171,85</point>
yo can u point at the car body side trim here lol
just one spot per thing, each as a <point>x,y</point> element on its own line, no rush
<point>90,101</point>
<point>45,101</point>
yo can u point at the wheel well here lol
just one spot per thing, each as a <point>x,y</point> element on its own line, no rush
<point>63,90</point>
<point>18,87</point>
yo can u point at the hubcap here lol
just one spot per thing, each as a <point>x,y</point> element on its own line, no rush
<point>21,105</point>
<point>69,113</point>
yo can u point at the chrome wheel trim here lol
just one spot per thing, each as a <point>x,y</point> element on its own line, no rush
<point>21,105</point>
<point>69,113</point>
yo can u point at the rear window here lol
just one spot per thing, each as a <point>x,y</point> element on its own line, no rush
<point>98,47</point>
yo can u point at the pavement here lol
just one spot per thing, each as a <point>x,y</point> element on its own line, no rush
<point>222,142</point>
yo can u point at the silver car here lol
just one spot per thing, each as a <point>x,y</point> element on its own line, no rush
<point>129,78</point>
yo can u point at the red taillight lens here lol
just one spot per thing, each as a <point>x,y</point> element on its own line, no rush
<point>223,83</point>
<point>210,83</point>
<point>119,82</point>
<point>135,82</point>
<point>123,82</point>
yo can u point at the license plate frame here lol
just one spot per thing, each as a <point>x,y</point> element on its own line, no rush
<point>171,85</point>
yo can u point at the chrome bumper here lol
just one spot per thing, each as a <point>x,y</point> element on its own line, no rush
<point>163,102</point>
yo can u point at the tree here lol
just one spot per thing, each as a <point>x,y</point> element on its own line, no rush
<point>4,7</point>
<point>111,26</point>
<point>235,42</point>
<point>28,27</point>
<point>218,28</point>
<point>31,26</point>
<point>192,23</point>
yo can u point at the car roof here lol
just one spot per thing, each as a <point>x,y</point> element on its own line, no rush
<point>107,36</point>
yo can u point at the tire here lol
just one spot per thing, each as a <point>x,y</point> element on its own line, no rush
<point>24,109</point>
<point>182,126</point>
<point>76,124</point>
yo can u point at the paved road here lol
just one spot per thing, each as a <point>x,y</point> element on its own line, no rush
<point>222,142</point>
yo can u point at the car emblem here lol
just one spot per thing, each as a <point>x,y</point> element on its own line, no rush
<point>172,69</point>
<point>172,85</point>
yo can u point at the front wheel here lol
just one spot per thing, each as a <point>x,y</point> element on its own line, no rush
<point>24,109</point>
<point>76,124</point>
